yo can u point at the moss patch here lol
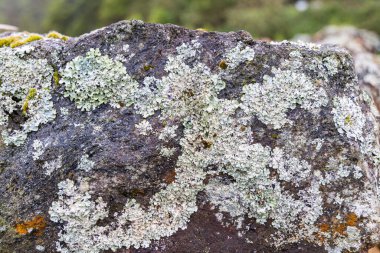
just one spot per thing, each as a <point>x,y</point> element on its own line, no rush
<point>20,42</point>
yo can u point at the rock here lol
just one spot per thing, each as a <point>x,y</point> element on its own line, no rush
<point>8,28</point>
<point>154,138</point>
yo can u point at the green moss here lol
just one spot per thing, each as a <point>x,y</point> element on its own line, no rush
<point>275,136</point>
<point>31,95</point>
<point>148,67</point>
<point>32,37</point>
<point>56,77</point>
<point>7,41</point>
<point>347,120</point>
<point>57,35</point>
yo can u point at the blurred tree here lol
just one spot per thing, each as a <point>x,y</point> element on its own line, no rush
<point>116,10</point>
<point>26,14</point>
<point>73,17</point>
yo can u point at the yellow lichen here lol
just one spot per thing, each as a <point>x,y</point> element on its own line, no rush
<point>31,94</point>
<point>148,67</point>
<point>7,41</point>
<point>347,120</point>
<point>57,35</point>
<point>275,136</point>
<point>30,38</point>
<point>56,77</point>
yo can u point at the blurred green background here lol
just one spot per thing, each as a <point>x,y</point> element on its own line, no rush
<point>275,19</point>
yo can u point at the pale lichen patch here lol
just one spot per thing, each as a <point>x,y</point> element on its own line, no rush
<point>331,63</point>
<point>53,165</point>
<point>239,54</point>
<point>38,149</point>
<point>85,163</point>
<point>349,118</point>
<point>167,152</point>
<point>290,169</point>
<point>283,91</point>
<point>18,77</point>
<point>168,132</point>
<point>96,79</point>
<point>144,127</point>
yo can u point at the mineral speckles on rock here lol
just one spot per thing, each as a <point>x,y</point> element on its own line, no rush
<point>262,151</point>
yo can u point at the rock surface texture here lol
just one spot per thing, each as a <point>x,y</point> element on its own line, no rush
<point>154,138</point>
<point>364,46</point>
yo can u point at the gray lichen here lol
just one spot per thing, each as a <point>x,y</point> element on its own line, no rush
<point>283,91</point>
<point>96,79</point>
<point>85,163</point>
<point>25,87</point>
<point>349,118</point>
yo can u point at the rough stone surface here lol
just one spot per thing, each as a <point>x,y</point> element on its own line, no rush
<point>154,138</point>
<point>364,46</point>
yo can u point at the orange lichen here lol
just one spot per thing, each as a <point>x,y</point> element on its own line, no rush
<point>351,219</point>
<point>320,237</point>
<point>340,228</point>
<point>324,227</point>
<point>37,224</point>
<point>375,249</point>
<point>336,226</point>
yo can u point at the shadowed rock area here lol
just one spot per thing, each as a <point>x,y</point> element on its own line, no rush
<point>154,138</point>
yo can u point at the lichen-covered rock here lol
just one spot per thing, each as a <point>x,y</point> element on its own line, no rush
<point>364,46</point>
<point>154,138</point>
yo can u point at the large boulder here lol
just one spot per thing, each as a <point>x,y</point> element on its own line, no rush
<point>154,138</point>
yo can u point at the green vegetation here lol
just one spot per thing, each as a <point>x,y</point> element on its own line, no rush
<point>56,35</point>
<point>30,38</point>
<point>278,19</point>
<point>7,41</point>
